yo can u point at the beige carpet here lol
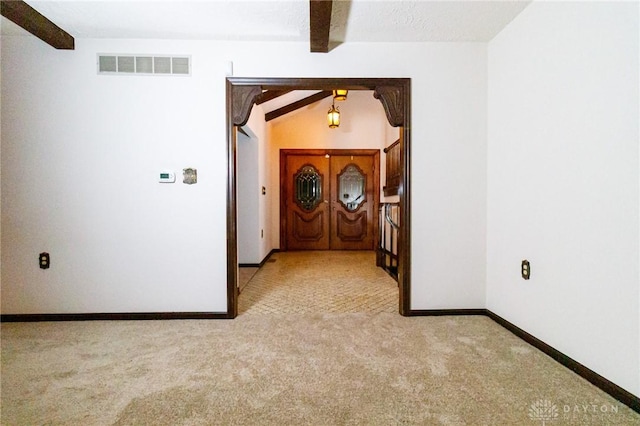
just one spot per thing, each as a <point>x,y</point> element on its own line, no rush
<point>319,282</point>
<point>290,369</point>
<point>245,274</point>
<point>317,342</point>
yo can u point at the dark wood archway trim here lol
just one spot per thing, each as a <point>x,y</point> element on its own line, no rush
<point>390,92</point>
<point>395,96</point>
<point>232,232</point>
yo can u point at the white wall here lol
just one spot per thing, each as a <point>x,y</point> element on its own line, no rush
<point>247,199</point>
<point>81,156</point>
<point>448,182</point>
<point>81,152</point>
<point>252,214</point>
<point>563,181</point>
<point>265,208</point>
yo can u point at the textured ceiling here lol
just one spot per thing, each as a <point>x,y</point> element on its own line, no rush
<point>278,20</point>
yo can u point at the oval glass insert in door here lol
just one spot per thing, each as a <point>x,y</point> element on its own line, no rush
<point>351,187</point>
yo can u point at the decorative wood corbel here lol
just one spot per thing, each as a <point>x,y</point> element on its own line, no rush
<point>243,99</point>
<point>392,101</point>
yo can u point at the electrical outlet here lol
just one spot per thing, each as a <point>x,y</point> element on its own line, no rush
<point>44,260</point>
<point>525,269</point>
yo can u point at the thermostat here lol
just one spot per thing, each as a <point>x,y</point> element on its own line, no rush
<point>167,177</point>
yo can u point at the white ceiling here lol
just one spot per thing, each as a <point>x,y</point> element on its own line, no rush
<point>278,20</point>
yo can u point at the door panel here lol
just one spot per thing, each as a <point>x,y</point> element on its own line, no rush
<point>310,229</point>
<point>307,213</point>
<point>329,200</point>
<point>352,201</point>
<point>351,229</point>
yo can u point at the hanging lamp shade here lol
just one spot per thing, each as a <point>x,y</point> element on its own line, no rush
<point>333,117</point>
<point>340,94</point>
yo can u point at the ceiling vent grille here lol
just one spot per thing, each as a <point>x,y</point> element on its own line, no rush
<point>144,65</point>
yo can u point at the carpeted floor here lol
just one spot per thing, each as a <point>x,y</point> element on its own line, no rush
<point>331,354</point>
<point>290,369</point>
<point>245,274</point>
<point>319,282</point>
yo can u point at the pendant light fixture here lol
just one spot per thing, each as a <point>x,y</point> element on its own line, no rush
<point>340,94</point>
<point>333,116</point>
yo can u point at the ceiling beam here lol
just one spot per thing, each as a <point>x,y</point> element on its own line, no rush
<point>37,24</point>
<point>320,23</point>
<point>269,95</point>
<point>297,105</point>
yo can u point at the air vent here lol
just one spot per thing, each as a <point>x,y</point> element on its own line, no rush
<point>144,65</point>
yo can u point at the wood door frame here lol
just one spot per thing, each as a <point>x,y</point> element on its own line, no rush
<point>395,96</point>
<point>375,153</point>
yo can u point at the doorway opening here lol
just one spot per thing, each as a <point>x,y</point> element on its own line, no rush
<point>394,95</point>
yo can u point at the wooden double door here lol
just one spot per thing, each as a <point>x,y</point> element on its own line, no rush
<point>329,199</point>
